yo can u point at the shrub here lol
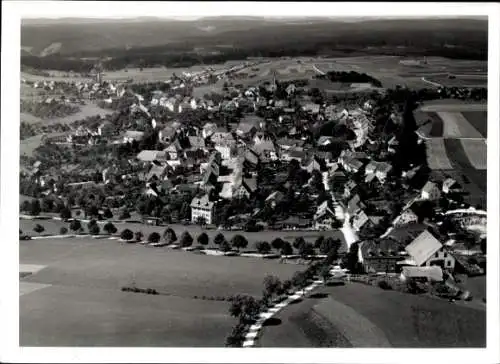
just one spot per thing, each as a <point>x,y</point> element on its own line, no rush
<point>186,239</point>
<point>124,215</point>
<point>38,229</point>
<point>63,230</point>
<point>110,228</point>
<point>65,213</point>
<point>239,241</point>
<point>94,229</point>
<point>219,239</point>
<point>263,247</point>
<point>75,225</point>
<point>286,249</point>
<point>127,234</point>
<point>225,247</point>
<point>139,235</point>
<point>385,285</point>
<point>154,237</point>
<point>203,239</point>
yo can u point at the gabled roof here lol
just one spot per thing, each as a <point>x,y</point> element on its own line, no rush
<point>429,186</point>
<point>202,202</point>
<point>423,247</point>
<point>150,155</point>
<point>196,142</point>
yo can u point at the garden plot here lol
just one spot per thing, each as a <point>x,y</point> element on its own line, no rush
<point>437,157</point>
<point>457,126</point>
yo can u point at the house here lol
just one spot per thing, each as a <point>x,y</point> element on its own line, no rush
<point>311,108</point>
<point>378,170</point>
<point>324,216</point>
<point>361,221</point>
<point>151,155</point>
<point>354,205</point>
<point>248,125</point>
<point>106,129</point>
<point>208,130</point>
<point>261,137</point>
<point>281,104</point>
<point>324,141</point>
<point>426,250</point>
<point>265,150</point>
<point>287,143</point>
<point>132,135</point>
<point>157,171</point>
<point>196,142</point>
<point>202,208</point>
<point>315,164</point>
<point>222,137</point>
<point>352,165</point>
<point>350,187</point>
<point>174,150</point>
<point>451,186</point>
<point>274,198</point>
<point>291,89</point>
<point>247,188</point>
<point>433,273</point>
<point>406,217</point>
<point>430,192</point>
<point>381,256</point>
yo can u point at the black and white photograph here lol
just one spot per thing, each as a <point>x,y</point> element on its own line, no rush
<point>250,176</point>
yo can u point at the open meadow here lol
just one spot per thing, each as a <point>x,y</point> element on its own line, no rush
<point>80,303</point>
<point>357,315</point>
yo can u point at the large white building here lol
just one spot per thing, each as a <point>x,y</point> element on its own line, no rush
<point>202,207</point>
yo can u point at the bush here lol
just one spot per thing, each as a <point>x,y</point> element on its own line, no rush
<point>203,239</point>
<point>38,229</point>
<point>186,239</point>
<point>219,239</point>
<point>286,249</point>
<point>65,213</point>
<point>239,241</point>
<point>127,234</point>
<point>385,285</point>
<point>75,225</point>
<point>94,229</point>
<point>110,228</point>
<point>154,237</point>
<point>124,215</point>
<point>263,247</point>
<point>139,235</point>
<point>63,230</point>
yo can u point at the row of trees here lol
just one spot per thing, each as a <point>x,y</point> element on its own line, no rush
<point>48,110</point>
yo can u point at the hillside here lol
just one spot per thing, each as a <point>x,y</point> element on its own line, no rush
<point>79,37</point>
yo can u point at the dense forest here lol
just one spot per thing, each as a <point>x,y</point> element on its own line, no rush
<point>146,45</point>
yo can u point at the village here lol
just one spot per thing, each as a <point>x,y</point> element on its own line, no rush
<point>274,157</point>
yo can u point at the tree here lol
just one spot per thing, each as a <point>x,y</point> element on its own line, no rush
<point>186,239</point>
<point>224,246</point>
<point>91,223</point>
<point>65,213</point>
<point>319,241</point>
<point>299,280</point>
<point>203,239</point>
<point>299,242</point>
<point>330,244</point>
<point>325,272</point>
<point>154,237</point>
<point>239,241</point>
<point>110,228</point>
<point>272,285</point>
<point>286,249</point>
<point>94,229</point>
<point>277,243</point>
<point>108,214</point>
<point>219,239</point>
<point>169,236</point>
<point>35,208</point>
<point>287,285</point>
<point>63,230</point>
<point>483,245</point>
<point>352,258</point>
<point>127,234</point>
<point>263,247</point>
<point>139,235</point>
<point>306,249</point>
<point>38,229</point>
<point>75,225</point>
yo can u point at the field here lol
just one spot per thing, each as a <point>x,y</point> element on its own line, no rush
<point>80,302</point>
<point>460,80</point>
<point>455,134</point>
<point>356,315</point>
<point>87,110</point>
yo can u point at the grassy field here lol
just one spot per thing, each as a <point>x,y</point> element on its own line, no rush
<point>369,316</point>
<point>80,302</point>
<point>460,80</point>
<point>479,120</point>
<point>87,110</point>
<point>437,157</point>
<point>74,316</point>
